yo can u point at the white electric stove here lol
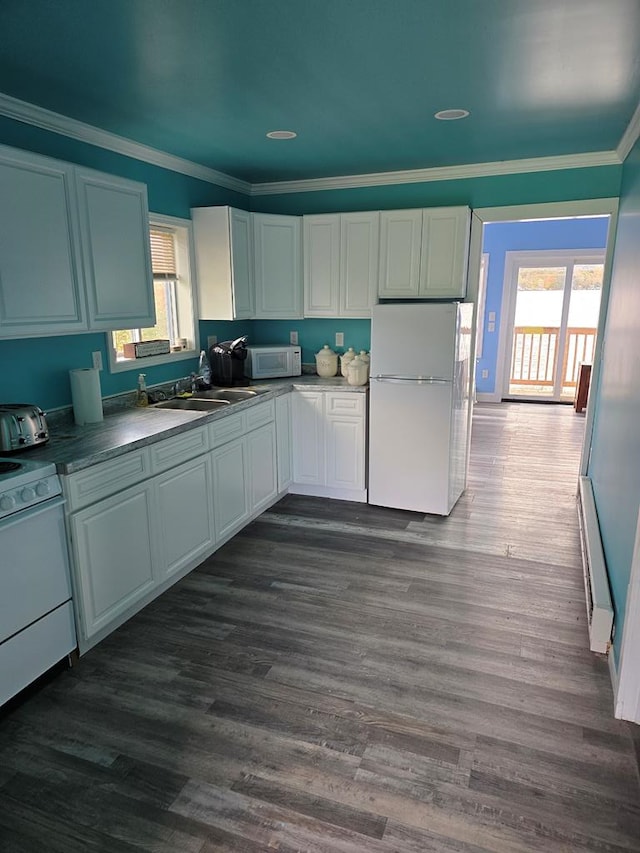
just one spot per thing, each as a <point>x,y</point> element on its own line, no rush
<point>36,612</point>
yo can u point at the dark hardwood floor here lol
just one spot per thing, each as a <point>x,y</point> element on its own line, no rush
<point>341,677</point>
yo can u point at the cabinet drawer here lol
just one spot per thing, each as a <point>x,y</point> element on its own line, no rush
<point>260,415</point>
<point>107,478</point>
<point>172,451</point>
<point>351,403</point>
<point>226,429</point>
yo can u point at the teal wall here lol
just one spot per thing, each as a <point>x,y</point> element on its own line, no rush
<point>615,459</point>
<point>499,190</point>
<point>36,370</point>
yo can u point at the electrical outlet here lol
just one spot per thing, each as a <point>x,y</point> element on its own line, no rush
<point>96,358</point>
<point>491,327</point>
<point>339,339</point>
<point>485,374</point>
<point>293,338</point>
<point>212,340</point>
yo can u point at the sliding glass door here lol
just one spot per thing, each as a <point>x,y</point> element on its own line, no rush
<point>555,303</point>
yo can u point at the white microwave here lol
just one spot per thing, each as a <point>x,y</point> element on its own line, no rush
<point>270,361</point>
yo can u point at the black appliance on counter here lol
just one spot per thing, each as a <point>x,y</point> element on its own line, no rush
<point>227,362</point>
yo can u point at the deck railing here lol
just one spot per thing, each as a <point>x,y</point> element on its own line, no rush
<point>535,354</point>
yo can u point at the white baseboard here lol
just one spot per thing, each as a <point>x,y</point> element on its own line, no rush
<point>357,495</point>
<point>488,398</point>
<point>613,671</point>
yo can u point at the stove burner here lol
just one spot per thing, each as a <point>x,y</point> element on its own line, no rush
<point>6,467</point>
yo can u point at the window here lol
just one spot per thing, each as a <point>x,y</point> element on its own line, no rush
<point>171,243</point>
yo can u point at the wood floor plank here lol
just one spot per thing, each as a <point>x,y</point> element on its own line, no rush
<point>341,678</point>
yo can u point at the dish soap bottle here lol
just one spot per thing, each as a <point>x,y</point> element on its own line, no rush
<point>142,398</point>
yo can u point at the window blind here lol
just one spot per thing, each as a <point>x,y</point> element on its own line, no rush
<point>163,255</point>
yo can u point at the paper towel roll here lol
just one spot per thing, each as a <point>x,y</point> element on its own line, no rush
<point>85,395</point>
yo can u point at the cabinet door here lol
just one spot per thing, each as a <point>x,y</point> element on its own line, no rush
<point>115,552</point>
<point>445,249</point>
<point>308,437</point>
<point>278,268</point>
<point>185,518</point>
<point>400,235</point>
<point>345,453</point>
<point>283,441</point>
<point>321,265</point>
<point>345,433</point>
<point>359,249</point>
<point>41,287</point>
<point>261,462</point>
<point>230,488</point>
<point>114,223</point>
<point>241,264</point>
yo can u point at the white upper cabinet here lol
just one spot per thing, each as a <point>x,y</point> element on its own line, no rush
<point>277,266</point>
<point>445,249</point>
<point>74,249</point>
<point>359,249</point>
<point>423,253</point>
<point>341,264</point>
<point>114,228</point>
<point>400,235</point>
<point>224,256</point>
<point>321,245</point>
<point>41,285</point>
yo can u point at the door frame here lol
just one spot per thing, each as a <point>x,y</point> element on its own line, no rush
<point>559,210</point>
<point>514,260</point>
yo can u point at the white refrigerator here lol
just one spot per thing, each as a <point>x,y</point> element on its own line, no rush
<point>420,405</point>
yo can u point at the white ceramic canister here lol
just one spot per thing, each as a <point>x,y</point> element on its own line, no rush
<point>357,371</point>
<point>326,362</point>
<point>348,356</point>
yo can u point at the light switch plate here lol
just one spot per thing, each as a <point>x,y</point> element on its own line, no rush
<point>339,339</point>
<point>492,316</point>
<point>212,340</point>
<point>293,337</point>
<point>485,374</point>
<point>96,358</point>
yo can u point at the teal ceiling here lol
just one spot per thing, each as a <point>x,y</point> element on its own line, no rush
<point>358,80</point>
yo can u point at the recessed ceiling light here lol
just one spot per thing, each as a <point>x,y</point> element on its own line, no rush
<point>451,115</point>
<point>281,134</point>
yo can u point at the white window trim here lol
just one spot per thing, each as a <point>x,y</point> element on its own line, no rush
<point>185,259</point>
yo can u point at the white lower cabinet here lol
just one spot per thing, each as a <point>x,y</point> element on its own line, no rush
<point>180,502</point>
<point>284,441</point>
<point>230,494</point>
<point>114,549</point>
<point>329,444</point>
<point>185,521</point>
<point>262,469</point>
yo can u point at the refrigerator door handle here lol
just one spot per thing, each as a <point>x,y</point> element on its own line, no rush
<point>418,380</point>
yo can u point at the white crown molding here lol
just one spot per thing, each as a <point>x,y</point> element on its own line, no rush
<point>630,136</point>
<point>442,173</point>
<point>56,123</point>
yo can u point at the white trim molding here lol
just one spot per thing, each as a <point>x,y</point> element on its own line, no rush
<point>32,114</point>
<point>627,689</point>
<point>630,136</point>
<point>56,123</point>
<point>441,173</point>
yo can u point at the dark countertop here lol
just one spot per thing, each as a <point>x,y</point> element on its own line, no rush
<point>74,448</point>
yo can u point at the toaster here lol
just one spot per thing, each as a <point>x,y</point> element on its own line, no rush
<point>21,426</point>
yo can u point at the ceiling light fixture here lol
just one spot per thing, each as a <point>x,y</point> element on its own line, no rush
<point>451,115</point>
<point>281,134</point>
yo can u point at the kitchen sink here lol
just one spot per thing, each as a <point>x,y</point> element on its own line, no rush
<point>226,395</point>
<point>192,405</point>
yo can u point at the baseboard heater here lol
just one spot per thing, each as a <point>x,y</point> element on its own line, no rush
<point>596,581</point>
